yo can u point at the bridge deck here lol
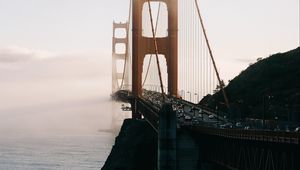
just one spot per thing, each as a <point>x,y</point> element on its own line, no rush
<point>150,110</point>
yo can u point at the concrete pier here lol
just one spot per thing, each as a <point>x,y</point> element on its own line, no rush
<point>167,158</point>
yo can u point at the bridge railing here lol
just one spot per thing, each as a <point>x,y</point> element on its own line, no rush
<point>255,135</point>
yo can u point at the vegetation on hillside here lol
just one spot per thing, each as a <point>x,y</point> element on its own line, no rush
<point>270,87</point>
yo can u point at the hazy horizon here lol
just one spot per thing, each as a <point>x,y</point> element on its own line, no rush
<point>55,56</point>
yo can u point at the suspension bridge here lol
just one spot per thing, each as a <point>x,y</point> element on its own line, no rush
<point>163,65</point>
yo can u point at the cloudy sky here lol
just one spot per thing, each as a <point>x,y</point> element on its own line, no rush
<point>239,31</point>
<point>59,51</point>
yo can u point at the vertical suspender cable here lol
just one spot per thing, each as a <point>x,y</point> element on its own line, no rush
<point>189,54</point>
<point>192,53</point>
<point>202,65</point>
<point>180,54</point>
<point>187,48</point>
<point>184,49</point>
<point>193,59</point>
<point>207,73</point>
<point>198,59</point>
<point>206,70</point>
<point>197,56</point>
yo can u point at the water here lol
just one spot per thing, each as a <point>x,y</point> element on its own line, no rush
<point>55,151</point>
<point>68,135</point>
<point>72,142</point>
<point>57,145</point>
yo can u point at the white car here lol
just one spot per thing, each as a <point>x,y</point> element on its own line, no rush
<point>180,111</point>
<point>211,116</point>
<point>187,118</point>
<point>238,124</point>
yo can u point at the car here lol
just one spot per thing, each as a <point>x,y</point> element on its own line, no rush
<point>180,106</point>
<point>195,117</point>
<point>277,129</point>
<point>174,108</point>
<point>211,116</point>
<point>195,121</point>
<point>238,124</point>
<point>180,111</point>
<point>287,129</point>
<point>228,125</point>
<point>187,118</point>
<point>200,111</point>
<point>297,129</point>
<point>125,108</point>
<point>222,126</point>
<point>247,127</point>
<point>181,115</point>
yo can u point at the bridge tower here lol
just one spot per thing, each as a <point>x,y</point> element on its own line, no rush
<point>142,46</point>
<point>120,56</point>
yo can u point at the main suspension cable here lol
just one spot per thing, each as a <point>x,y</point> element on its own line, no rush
<point>127,43</point>
<point>156,26</point>
<point>211,56</point>
<point>156,51</point>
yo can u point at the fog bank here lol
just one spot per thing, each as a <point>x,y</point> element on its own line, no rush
<point>45,94</point>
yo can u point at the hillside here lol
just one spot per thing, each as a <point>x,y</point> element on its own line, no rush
<point>135,147</point>
<point>271,85</point>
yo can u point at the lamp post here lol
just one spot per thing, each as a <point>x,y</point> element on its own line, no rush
<point>217,114</point>
<point>190,95</point>
<point>182,94</point>
<point>196,94</point>
<point>264,110</point>
<point>239,103</point>
<point>264,107</point>
<point>276,121</point>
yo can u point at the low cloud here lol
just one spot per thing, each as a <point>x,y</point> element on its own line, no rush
<point>244,60</point>
<point>18,54</point>
<point>42,92</point>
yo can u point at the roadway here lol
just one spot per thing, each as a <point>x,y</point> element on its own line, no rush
<point>190,114</point>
